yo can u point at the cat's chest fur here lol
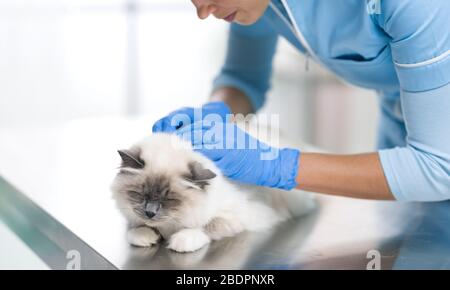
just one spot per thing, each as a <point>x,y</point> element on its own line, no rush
<point>168,229</point>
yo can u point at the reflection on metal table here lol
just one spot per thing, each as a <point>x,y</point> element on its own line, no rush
<point>54,194</point>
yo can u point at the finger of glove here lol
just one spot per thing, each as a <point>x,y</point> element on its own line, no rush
<point>163,126</point>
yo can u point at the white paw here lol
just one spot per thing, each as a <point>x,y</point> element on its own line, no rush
<point>188,240</point>
<point>142,237</point>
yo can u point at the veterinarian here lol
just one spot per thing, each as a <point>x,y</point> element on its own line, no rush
<point>400,48</point>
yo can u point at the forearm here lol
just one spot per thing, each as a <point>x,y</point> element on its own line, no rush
<point>238,102</point>
<point>357,176</point>
<point>245,76</point>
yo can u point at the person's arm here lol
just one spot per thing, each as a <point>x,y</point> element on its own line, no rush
<point>420,171</point>
<point>357,176</point>
<point>245,75</point>
<point>236,99</point>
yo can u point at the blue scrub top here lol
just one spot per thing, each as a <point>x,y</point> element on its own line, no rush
<point>400,48</point>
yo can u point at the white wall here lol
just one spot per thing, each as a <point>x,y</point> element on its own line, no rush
<point>58,63</point>
<point>65,59</point>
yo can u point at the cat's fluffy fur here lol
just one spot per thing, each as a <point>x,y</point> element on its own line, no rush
<point>193,202</point>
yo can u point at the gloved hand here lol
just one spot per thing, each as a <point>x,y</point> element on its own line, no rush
<point>187,115</point>
<point>242,157</point>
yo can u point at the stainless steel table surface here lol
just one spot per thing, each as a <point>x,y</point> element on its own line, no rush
<point>54,194</point>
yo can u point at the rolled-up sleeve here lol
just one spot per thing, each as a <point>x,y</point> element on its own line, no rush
<point>421,170</point>
<point>248,63</point>
<point>420,49</point>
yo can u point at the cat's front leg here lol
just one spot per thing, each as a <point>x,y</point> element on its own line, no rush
<point>142,236</point>
<point>188,240</point>
<point>220,227</point>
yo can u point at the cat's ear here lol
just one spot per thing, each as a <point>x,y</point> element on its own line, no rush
<point>200,173</point>
<point>131,159</point>
<point>198,176</point>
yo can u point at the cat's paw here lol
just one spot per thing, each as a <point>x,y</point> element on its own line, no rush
<point>142,237</point>
<point>188,240</point>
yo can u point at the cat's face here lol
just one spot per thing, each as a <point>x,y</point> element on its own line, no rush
<point>158,183</point>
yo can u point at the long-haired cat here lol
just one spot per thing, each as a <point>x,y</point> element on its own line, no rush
<point>169,192</point>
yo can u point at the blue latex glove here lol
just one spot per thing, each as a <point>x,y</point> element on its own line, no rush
<point>187,115</point>
<point>242,157</point>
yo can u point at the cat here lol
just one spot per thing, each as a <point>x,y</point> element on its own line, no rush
<point>167,191</point>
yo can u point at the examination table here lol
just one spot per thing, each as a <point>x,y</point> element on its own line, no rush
<point>54,195</point>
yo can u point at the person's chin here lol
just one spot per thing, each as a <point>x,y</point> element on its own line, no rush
<point>245,20</point>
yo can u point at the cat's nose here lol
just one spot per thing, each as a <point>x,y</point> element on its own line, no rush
<point>150,214</point>
<point>151,209</point>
